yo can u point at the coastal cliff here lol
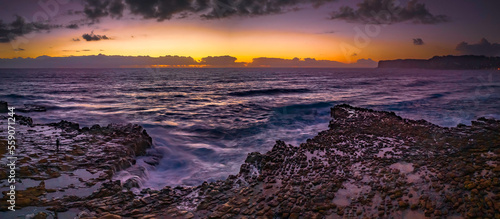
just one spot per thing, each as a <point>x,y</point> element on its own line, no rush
<point>371,164</point>
<point>469,62</point>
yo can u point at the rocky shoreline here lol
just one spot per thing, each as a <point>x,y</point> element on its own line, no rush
<point>85,159</point>
<point>369,164</point>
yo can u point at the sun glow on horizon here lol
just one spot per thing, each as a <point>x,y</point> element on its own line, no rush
<point>190,40</point>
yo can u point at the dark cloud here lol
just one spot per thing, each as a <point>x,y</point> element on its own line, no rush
<point>388,12</point>
<point>19,49</point>
<point>116,8</point>
<point>76,39</point>
<point>163,9</point>
<point>94,37</point>
<point>228,8</point>
<point>19,27</point>
<point>183,15</point>
<point>221,61</point>
<point>309,63</point>
<point>418,42</point>
<point>72,26</point>
<point>96,9</point>
<point>484,47</point>
<point>211,9</point>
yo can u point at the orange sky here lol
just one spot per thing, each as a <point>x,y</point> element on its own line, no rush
<point>305,33</point>
<point>161,39</point>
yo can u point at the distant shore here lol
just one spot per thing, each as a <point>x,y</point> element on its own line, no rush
<point>468,62</point>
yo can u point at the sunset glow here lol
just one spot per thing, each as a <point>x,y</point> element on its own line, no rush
<point>249,109</point>
<point>306,32</point>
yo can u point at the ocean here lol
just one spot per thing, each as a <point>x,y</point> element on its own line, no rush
<point>205,121</point>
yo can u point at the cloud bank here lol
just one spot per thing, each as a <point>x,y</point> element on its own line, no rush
<point>208,9</point>
<point>483,47</point>
<point>222,61</point>
<point>104,61</point>
<point>96,61</point>
<point>388,12</point>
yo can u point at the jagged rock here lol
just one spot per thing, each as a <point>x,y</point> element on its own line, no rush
<point>23,120</point>
<point>63,124</point>
<point>365,157</point>
<point>131,183</point>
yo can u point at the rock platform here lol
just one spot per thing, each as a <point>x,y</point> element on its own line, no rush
<point>85,159</point>
<point>368,164</point>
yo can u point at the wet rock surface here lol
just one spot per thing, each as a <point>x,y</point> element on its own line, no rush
<point>369,164</point>
<point>49,172</point>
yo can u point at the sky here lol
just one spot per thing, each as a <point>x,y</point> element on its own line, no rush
<point>235,33</point>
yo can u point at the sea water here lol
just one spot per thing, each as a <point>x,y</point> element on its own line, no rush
<point>205,121</point>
